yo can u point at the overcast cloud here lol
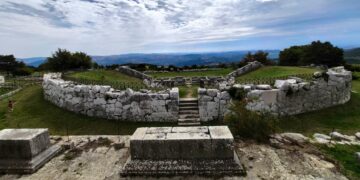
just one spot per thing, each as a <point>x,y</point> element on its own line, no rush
<point>102,27</point>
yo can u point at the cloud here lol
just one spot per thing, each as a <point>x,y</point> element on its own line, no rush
<point>38,27</point>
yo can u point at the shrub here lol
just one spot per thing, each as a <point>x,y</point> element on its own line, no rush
<point>250,125</point>
<point>237,93</point>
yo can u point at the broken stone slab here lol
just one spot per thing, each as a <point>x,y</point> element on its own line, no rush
<point>321,138</point>
<point>357,135</point>
<point>25,150</point>
<point>296,138</point>
<point>182,150</point>
<point>263,87</point>
<point>338,136</point>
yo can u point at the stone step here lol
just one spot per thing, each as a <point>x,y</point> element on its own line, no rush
<point>188,116</point>
<point>189,112</point>
<point>189,120</point>
<point>188,100</point>
<point>189,124</point>
<point>189,108</point>
<point>188,104</point>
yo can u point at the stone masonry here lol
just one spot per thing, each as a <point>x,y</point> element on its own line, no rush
<point>213,104</point>
<point>25,150</point>
<point>182,150</point>
<point>295,96</point>
<point>106,102</point>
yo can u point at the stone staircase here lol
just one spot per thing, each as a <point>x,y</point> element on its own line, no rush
<point>188,112</point>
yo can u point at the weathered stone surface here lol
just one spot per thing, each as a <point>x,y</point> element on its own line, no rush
<point>339,136</point>
<point>214,105</point>
<point>357,135</point>
<point>105,102</point>
<point>296,138</point>
<point>182,150</point>
<point>25,150</point>
<point>293,96</point>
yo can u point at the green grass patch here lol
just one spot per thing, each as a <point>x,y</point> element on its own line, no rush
<point>188,92</point>
<point>4,90</point>
<point>276,71</point>
<point>105,75</point>
<point>209,73</point>
<point>32,111</point>
<point>345,157</point>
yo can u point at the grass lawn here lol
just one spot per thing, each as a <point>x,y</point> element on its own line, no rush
<point>276,71</point>
<point>188,92</point>
<point>345,156</point>
<point>5,90</point>
<point>105,75</point>
<point>215,72</point>
<point>343,118</point>
<point>32,111</point>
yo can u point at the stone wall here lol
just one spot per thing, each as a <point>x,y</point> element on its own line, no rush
<point>251,66</point>
<point>213,104</point>
<point>133,72</point>
<point>106,102</point>
<point>295,96</point>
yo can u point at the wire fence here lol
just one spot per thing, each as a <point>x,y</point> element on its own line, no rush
<point>271,80</point>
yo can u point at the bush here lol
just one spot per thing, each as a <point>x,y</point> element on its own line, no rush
<point>250,125</point>
<point>237,93</point>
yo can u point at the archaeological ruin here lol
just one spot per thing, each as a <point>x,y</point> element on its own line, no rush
<point>25,150</point>
<point>285,97</point>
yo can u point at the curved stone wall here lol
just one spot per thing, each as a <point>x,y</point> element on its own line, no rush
<point>295,96</point>
<point>105,102</point>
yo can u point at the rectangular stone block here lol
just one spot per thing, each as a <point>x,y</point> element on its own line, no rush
<point>199,142</point>
<point>23,143</point>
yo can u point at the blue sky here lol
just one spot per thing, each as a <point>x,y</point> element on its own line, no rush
<point>103,27</point>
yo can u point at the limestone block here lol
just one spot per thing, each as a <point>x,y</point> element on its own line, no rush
<point>263,87</point>
<point>212,92</point>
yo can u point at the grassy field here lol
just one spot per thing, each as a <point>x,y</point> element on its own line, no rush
<point>105,75</point>
<point>5,90</point>
<point>345,156</point>
<point>188,92</point>
<point>215,72</point>
<point>32,111</point>
<point>276,71</point>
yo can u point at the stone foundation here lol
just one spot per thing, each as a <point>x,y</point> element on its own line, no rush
<point>200,150</point>
<point>106,102</point>
<point>25,150</point>
<point>295,96</point>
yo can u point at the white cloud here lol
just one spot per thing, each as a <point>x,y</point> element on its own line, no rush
<point>37,27</point>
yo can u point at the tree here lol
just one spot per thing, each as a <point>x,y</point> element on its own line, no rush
<point>260,56</point>
<point>322,54</point>
<point>290,56</point>
<point>317,53</point>
<point>9,64</point>
<point>63,60</point>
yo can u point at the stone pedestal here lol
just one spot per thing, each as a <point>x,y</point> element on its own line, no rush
<point>25,150</point>
<point>199,150</point>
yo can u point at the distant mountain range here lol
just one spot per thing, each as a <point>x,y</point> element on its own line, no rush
<point>185,59</point>
<point>178,59</point>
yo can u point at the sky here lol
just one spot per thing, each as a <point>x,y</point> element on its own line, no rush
<point>34,28</point>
